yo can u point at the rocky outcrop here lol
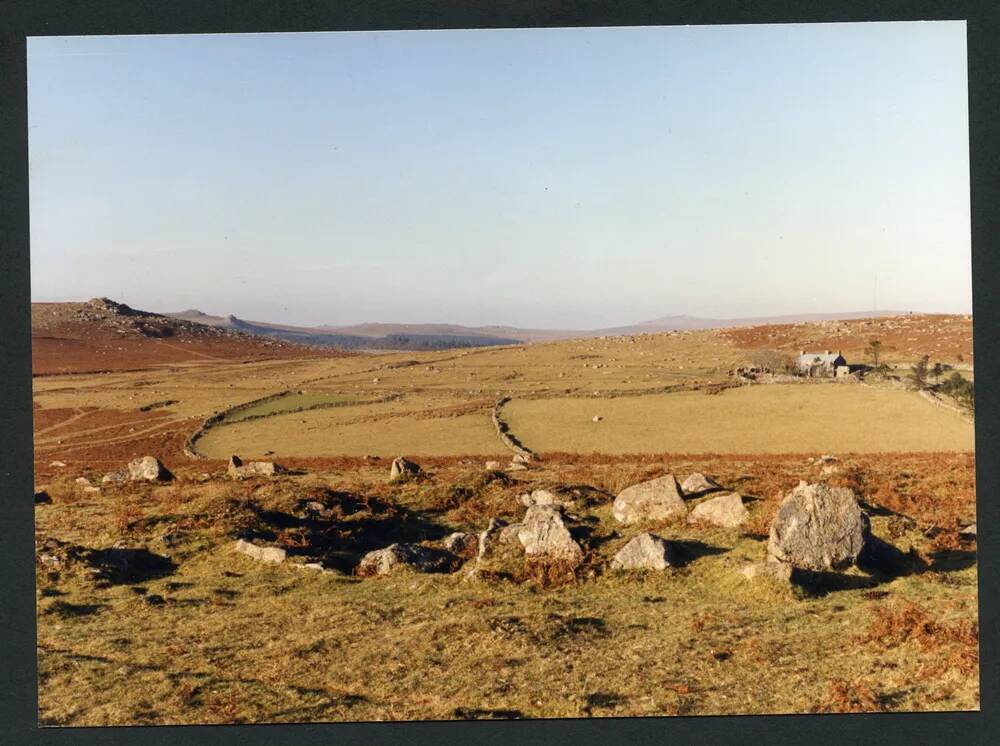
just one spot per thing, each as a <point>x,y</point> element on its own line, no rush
<point>645,552</point>
<point>655,500</point>
<point>699,484</point>
<point>148,469</point>
<point>819,527</point>
<point>726,511</point>
<point>544,534</point>
<point>398,556</point>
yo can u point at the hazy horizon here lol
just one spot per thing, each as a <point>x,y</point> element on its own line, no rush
<point>537,178</point>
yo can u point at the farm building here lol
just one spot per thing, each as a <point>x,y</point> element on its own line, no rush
<point>824,364</point>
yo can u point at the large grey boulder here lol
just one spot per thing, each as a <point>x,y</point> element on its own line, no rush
<point>397,556</point>
<point>543,533</point>
<point>403,469</point>
<point>819,527</point>
<point>725,510</point>
<point>655,500</point>
<point>699,484</point>
<point>148,469</point>
<point>273,555</point>
<point>645,552</point>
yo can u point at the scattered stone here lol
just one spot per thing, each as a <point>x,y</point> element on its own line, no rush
<point>148,469</point>
<point>492,466</point>
<point>403,469</point>
<point>58,464</point>
<point>828,459</point>
<point>819,527</point>
<point>543,533</point>
<point>645,552</point>
<point>780,571</point>
<point>969,530</point>
<point>699,484</point>
<point>274,555</point>
<point>521,458</point>
<point>541,497</point>
<point>497,533</point>
<point>597,418</point>
<point>830,470</point>
<point>725,510</point>
<point>92,490</point>
<point>115,477</point>
<point>654,500</point>
<point>42,498</point>
<point>82,481</point>
<point>238,470</point>
<point>396,556</point>
<point>516,466</point>
<point>462,543</point>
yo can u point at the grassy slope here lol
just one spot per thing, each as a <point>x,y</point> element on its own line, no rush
<point>237,641</point>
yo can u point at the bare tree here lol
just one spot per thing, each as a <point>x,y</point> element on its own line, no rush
<point>772,361</point>
<point>874,351</point>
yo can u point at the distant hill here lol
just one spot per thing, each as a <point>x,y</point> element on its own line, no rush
<point>680,323</point>
<point>102,335</point>
<point>399,336</point>
<point>367,336</point>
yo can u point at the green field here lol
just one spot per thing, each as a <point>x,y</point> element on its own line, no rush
<point>291,402</point>
<point>757,419</point>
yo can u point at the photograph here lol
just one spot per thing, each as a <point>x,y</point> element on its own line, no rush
<point>501,374</point>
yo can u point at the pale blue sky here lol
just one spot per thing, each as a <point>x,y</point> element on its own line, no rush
<point>552,178</point>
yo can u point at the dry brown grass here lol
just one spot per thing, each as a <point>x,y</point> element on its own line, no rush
<point>235,641</point>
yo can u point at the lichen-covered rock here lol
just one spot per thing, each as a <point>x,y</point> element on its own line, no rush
<point>819,527</point>
<point>403,469</point>
<point>543,533</point>
<point>725,510</point>
<point>699,484</point>
<point>148,469</point>
<point>398,556</point>
<point>645,552</point>
<point>273,555</point>
<point>654,500</point>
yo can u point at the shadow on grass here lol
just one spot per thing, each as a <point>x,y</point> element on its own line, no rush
<point>66,610</point>
<point>340,528</point>
<point>952,560</point>
<point>689,550</point>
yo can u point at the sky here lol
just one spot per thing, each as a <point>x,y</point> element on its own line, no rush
<point>550,178</point>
